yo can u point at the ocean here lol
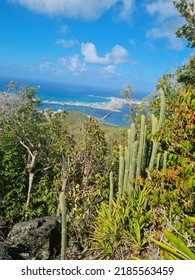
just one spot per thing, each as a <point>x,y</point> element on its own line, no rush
<point>60,93</point>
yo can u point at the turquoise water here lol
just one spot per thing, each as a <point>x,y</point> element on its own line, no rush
<point>82,94</point>
<point>70,93</point>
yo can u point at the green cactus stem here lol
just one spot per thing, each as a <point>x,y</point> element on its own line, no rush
<point>158,161</point>
<point>121,176</point>
<point>141,147</point>
<point>165,156</point>
<point>156,125</point>
<point>133,166</point>
<point>162,109</point>
<point>126,168</point>
<point>111,191</point>
<point>63,226</point>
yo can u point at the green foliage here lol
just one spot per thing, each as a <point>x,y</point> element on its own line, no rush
<point>178,134</point>
<point>81,206</point>
<point>91,150</point>
<point>121,234</point>
<point>151,171</point>
<point>186,9</point>
<point>12,178</point>
<point>186,74</point>
<point>176,248</point>
<point>28,157</point>
<point>127,92</point>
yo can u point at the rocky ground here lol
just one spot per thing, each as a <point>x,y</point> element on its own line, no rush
<point>38,239</point>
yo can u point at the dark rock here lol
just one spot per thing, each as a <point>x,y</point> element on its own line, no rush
<point>38,239</point>
<point>4,251</point>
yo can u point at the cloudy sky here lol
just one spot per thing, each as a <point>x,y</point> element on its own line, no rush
<point>108,43</point>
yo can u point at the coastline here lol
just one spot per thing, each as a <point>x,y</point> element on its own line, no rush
<point>115,104</point>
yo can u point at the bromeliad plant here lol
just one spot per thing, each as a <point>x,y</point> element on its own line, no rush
<point>119,230</point>
<point>175,248</point>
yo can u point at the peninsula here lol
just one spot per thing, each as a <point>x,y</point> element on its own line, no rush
<point>115,104</point>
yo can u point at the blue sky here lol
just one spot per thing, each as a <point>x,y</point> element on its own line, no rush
<point>108,43</point>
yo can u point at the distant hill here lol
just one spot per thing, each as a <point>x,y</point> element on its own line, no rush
<point>112,133</point>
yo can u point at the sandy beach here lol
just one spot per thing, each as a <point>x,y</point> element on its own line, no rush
<point>115,104</point>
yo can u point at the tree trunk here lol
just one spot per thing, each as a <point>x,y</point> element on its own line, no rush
<point>30,181</point>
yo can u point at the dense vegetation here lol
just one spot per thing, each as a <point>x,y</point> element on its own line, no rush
<point>125,192</point>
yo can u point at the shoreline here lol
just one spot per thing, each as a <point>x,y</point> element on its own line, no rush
<point>115,104</point>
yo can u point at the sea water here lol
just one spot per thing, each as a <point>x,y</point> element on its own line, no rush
<point>60,92</point>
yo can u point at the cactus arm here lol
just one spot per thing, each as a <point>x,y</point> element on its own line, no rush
<point>141,147</point>
<point>111,191</point>
<point>63,226</point>
<point>155,144</point>
<point>121,176</point>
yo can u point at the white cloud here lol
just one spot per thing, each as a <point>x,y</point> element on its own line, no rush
<point>117,55</point>
<point>72,64</point>
<point>164,9</point>
<point>45,66</point>
<point>88,50</point>
<point>166,23</point>
<point>167,31</point>
<point>88,9</point>
<point>108,71</point>
<point>127,7</point>
<point>66,43</point>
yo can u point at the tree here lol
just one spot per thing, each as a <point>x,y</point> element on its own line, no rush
<point>186,9</point>
<point>13,179</point>
<point>36,132</point>
<point>127,92</point>
<point>92,150</point>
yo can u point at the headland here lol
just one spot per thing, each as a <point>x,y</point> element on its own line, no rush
<point>115,104</point>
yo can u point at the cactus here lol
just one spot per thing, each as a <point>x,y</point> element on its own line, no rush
<point>162,109</point>
<point>141,147</point>
<point>134,161</point>
<point>156,125</point>
<point>155,144</point>
<point>111,191</point>
<point>130,165</point>
<point>63,226</point>
<point>121,175</point>
<point>132,146</point>
<point>126,168</point>
<point>164,166</point>
<point>165,160</point>
<point>158,161</point>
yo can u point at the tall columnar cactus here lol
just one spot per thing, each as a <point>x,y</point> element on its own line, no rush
<point>154,143</point>
<point>127,166</point>
<point>121,172</point>
<point>63,226</point>
<point>156,125</point>
<point>162,109</point>
<point>158,157</point>
<point>111,191</point>
<point>133,154</point>
<point>141,151</point>
<point>165,156</point>
<point>133,163</point>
